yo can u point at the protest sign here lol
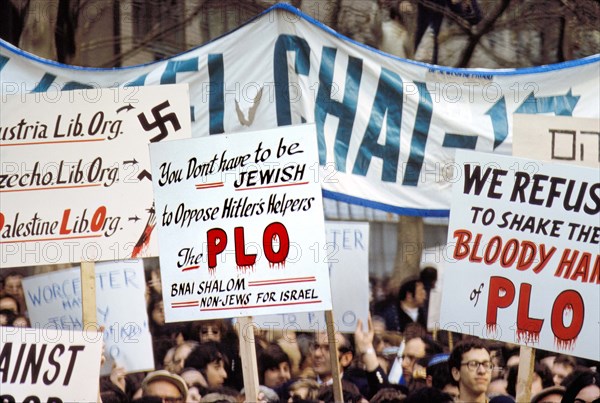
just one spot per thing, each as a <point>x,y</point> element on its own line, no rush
<point>347,251</point>
<point>48,365</point>
<point>240,218</point>
<point>54,301</point>
<point>71,167</point>
<point>562,139</point>
<point>387,127</point>
<point>525,266</point>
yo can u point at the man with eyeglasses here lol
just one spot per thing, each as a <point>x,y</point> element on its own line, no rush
<point>471,369</point>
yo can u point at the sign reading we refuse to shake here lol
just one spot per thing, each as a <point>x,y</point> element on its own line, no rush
<point>525,265</point>
<point>240,217</point>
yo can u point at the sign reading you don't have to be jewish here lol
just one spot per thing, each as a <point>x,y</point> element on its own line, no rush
<point>238,217</point>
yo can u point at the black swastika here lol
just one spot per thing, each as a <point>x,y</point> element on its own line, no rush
<point>159,121</point>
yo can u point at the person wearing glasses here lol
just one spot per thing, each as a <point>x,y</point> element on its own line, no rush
<point>471,368</point>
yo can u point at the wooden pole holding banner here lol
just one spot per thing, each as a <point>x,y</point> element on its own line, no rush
<point>525,374</point>
<point>248,356</point>
<point>88,294</point>
<point>334,358</point>
<point>88,299</point>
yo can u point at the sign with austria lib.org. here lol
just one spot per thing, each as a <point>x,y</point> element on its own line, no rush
<point>238,220</point>
<point>74,172</point>
<point>525,264</point>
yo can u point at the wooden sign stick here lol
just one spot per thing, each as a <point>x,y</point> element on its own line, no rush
<point>525,374</point>
<point>248,356</point>
<point>334,358</point>
<point>88,294</point>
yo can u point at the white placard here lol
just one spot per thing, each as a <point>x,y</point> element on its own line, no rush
<point>54,301</point>
<point>238,217</point>
<point>562,139</point>
<point>75,173</point>
<point>524,266</point>
<point>347,251</point>
<point>47,365</point>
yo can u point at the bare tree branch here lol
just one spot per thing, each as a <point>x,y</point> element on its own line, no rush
<point>486,26</point>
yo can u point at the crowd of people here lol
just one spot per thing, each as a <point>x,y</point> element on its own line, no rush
<point>391,359</point>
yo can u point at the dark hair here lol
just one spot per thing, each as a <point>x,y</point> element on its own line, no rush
<point>565,360</point>
<point>440,375</point>
<point>10,316</point>
<point>455,358</point>
<point>388,395</point>
<point>4,295</point>
<point>581,379</point>
<point>155,299</point>
<point>11,274</point>
<point>428,276</point>
<point>221,324</point>
<point>204,354</point>
<point>540,369</point>
<point>428,394</point>
<point>409,286</point>
<point>349,390</point>
<point>270,358</point>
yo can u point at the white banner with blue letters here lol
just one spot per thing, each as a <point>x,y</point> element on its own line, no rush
<point>387,127</point>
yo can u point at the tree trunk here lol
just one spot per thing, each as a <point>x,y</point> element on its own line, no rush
<point>38,32</point>
<point>409,250</point>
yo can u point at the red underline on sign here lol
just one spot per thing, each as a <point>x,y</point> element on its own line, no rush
<point>281,281</point>
<point>260,306</point>
<point>274,186</point>
<point>200,186</point>
<point>54,239</point>
<point>190,268</point>
<point>51,188</point>
<point>184,304</point>
<point>33,143</point>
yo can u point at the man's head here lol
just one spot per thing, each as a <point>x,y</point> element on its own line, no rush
<point>273,366</point>
<point>438,375</point>
<point>210,361</point>
<point>209,330</point>
<point>414,350</point>
<point>180,354</point>
<point>163,384</point>
<point>412,293</point>
<point>562,367</point>
<point>13,284</point>
<point>320,352</point>
<point>471,367</point>
<point>9,302</point>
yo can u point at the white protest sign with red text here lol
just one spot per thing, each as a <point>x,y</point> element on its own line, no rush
<point>47,365</point>
<point>75,172</point>
<point>525,264</point>
<point>238,218</point>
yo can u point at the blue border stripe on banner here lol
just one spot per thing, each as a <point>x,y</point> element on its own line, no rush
<point>293,10</point>
<point>384,207</point>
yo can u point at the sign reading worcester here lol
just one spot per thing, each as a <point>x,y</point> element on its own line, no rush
<point>387,128</point>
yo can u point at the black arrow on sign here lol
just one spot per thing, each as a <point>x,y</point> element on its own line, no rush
<point>126,108</point>
<point>145,174</point>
